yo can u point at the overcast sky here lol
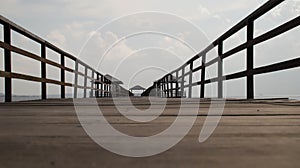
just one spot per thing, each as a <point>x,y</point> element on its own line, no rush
<point>87,29</point>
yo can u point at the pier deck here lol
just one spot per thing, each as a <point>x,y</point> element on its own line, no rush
<point>260,133</point>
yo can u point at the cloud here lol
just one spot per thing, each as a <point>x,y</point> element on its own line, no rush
<point>70,36</point>
<point>287,8</point>
<point>104,47</point>
<point>203,10</point>
<point>178,47</point>
<point>57,38</point>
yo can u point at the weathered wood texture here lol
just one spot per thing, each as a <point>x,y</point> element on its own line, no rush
<point>47,133</point>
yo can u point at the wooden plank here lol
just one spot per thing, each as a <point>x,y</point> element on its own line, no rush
<point>250,134</point>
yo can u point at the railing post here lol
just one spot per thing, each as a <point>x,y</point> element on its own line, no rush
<point>182,82</point>
<point>62,77</point>
<point>250,80</point>
<point>160,88</point>
<point>157,89</point>
<point>171,85</point>
<point>168,86</point>
<point>105,87</point>
<point>190,79</point>
<point>220,70</point>
<point>203,76</point>
<point>163,87</point>
<point>92,84</point>
<point>177,86</point>
<point>102,88</point>
<point>7,63</point>
<point>97,87</point>
<point>76,79</point>
<point>85,81</point>
<point>43,72</point>
<point>108,88</point>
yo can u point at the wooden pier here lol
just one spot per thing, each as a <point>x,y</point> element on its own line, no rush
<point>251,133</point>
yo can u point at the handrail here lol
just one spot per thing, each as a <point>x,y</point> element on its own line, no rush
<point>100,89</point>
<point>167,88</point>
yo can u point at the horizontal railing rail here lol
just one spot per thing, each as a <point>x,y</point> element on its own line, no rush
<point>166,86</point>
<point>101,89</point>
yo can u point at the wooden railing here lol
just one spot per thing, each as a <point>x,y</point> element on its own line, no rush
<point>166,87</point>
<point>99,87</point>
